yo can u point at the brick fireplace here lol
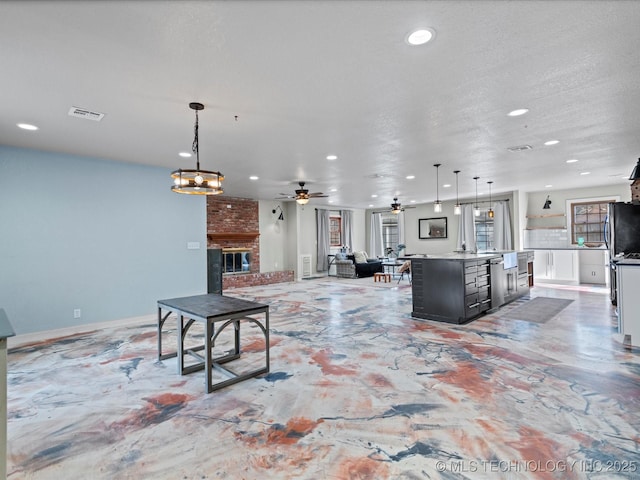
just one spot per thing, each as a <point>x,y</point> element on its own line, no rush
<point>233,226</point>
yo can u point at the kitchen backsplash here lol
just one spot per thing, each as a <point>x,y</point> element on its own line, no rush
<point>546,238</point>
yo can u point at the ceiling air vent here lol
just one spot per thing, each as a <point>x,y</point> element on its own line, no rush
<point>86,114</point>
<point>520,148</point>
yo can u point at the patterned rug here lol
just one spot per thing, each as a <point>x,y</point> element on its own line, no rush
<point>538,309</point>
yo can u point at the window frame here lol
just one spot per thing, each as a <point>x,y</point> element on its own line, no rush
<point>332,220</point>
<point>602,215</point>
<point>487,222</point>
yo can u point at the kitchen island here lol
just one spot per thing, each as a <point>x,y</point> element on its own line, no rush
<point>458,287</point>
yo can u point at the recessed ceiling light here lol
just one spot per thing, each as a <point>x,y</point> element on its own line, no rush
<point>420,36</point>
<point>26,126</point>
<point>332,157</point>
<point>253,177</point>
<point>371,205</point>
<point>413,201</point>
<point>573,160</point>
<point>184,154</point>
<point>333,190</point>
<point>518,112</point>
<point>552,142</point>
<point>585,173</point>
<point>548,186</point>
<point>446,185</point>
<point>374,196</point>
<point>330,201</point>
<point>410,177</point>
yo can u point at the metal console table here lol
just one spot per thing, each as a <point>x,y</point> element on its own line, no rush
<point>211,309</point>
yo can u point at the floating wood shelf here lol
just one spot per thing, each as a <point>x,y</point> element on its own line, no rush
<point>547,215</point>
<point>233,235</point>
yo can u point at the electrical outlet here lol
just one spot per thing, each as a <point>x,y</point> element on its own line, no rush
<point>77,313</point>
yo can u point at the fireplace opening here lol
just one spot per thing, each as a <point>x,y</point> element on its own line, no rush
<point>236,260</point>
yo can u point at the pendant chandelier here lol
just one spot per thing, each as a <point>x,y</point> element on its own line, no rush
<point>437,205</point>
<point>457,209</point>
<point>490,212</point>
<point>197,182</point>
<point>476,208</point>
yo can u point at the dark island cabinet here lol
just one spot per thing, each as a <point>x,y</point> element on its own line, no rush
<point>450,290</point>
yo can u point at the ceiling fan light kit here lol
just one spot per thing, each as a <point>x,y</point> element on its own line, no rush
<point>395,206</point>
<point>302,195</point>
<point>197,181</point>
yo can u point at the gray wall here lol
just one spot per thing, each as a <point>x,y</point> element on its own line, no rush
<point>105,237</point>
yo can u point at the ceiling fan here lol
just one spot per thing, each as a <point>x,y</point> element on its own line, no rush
<point>396,207</point>
<point>302,195</point>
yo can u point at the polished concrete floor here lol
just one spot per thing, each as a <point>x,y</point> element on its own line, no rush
<point>357,390</point>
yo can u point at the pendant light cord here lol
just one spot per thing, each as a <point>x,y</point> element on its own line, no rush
<point>194,147</point>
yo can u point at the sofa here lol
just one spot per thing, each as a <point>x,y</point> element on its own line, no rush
<point>358,265</point>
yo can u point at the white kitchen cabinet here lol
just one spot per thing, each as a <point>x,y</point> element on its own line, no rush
<point>541,265</point>
<point>629,302</point>
<point>556,266</point>
<point>593,266</point>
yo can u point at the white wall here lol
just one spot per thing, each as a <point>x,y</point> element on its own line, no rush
<point>273,237</point>
<point>559,197</point>
<point>104,237</point>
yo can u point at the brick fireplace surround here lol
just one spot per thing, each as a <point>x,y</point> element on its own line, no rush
<point>239,227</point>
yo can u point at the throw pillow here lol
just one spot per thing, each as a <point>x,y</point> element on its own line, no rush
<point>361,257</point>
<point>341,256</point>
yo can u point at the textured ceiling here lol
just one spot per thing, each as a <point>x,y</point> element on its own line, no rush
<point>312,78</point>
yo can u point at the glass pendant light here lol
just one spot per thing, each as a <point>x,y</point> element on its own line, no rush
<point>457,209</point>
<point>437,205</point>
<point>490,212</point>
<point>476,208</point>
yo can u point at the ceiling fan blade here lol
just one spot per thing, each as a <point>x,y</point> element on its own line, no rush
<point>317,195</point>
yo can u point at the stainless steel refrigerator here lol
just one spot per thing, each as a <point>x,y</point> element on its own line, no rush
<point>622,238</point>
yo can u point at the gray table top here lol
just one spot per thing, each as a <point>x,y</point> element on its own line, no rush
<point>211,305</point>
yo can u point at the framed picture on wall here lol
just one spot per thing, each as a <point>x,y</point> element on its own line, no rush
<point>429,228</point>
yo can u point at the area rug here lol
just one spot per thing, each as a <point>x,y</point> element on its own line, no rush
<point>538,309</point>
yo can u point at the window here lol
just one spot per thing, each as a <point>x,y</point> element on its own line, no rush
<point>390,235</point>
<point>587,221</point>
<point>484,231</point>
<point>335,231</point>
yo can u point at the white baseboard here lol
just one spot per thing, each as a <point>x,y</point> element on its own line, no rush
<point>27,338</point>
